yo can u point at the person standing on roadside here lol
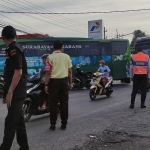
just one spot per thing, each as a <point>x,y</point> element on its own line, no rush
<point>58,69</point>
<point>15,77</point>
<point>139,74</point>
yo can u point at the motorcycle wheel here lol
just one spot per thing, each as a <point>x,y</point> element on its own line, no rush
<point>26,113</point>
<point>108,94</point>
<point>92,94</point>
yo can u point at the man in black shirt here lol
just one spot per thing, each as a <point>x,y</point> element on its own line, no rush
<point>15,77</point>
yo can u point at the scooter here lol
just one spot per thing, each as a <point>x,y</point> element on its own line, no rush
<point>33,101</point>
<point>97,88</point>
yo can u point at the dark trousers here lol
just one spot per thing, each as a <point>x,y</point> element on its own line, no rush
<point>58,92</point>
<point>82,81</point>
<point>139,82</point>
<point>14,123</point>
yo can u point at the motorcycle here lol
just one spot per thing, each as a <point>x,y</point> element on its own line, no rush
<point>77,83</point>
<point>1,85</point>
<point>35,93</point>
<point>96,87</point>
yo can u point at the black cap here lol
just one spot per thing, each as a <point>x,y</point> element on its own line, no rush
<point>9,32</point>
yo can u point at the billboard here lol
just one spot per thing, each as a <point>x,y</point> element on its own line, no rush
<point>95,29</point>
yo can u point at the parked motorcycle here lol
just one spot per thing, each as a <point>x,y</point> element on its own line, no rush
<point>97,88</point>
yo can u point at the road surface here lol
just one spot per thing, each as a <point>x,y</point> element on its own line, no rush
<point>85,117</point>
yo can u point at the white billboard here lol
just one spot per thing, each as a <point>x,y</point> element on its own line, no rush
<point>95,29</point>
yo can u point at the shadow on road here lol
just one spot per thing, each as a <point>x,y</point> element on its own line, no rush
<point>38,118</point>
<point>100,98</point>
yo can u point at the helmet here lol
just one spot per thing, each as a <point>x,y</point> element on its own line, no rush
<point>44,56</point>
<point>77,66</point>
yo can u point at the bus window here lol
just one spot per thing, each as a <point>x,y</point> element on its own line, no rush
<point>119,47</point>
<point>89,48</point>
<point>105,49</point>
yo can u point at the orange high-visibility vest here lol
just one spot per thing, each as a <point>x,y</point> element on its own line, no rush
<point>140,63</point>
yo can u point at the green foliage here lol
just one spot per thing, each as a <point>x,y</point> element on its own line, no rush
<point>137,33</point>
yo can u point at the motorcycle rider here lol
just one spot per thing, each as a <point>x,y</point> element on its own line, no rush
<point>42,75</point>
<point>80,75</point>
<point>104,69</point>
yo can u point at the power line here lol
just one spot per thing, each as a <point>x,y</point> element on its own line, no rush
<point>14,25</point>
<point>37,18</point>
<point>3,25</point>
<point>47,17</point>
<point>104,12</point>
<point>123,35</point>
<point>20,23</point>
<point>58,16</point>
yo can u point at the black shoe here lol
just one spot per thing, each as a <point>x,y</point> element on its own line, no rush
<point>143,106</point>
<point>131,106</point>
<point>52,127</point>
<point>63,127</point>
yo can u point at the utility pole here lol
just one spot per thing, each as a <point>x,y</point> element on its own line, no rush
<point>117,34</point>
<point>105,33</point>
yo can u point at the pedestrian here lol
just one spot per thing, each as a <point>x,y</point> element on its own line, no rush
<point>139,74</point>
<point>58,69</point>
<point>15,77</point>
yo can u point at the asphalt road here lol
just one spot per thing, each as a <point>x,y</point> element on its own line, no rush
<point>85,117</point>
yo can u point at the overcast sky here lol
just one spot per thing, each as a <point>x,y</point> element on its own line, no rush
<point>77,25</point>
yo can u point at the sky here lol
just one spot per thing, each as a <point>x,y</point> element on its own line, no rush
<point>76,25</point>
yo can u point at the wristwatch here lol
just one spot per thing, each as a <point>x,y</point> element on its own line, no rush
<point>46,85</point>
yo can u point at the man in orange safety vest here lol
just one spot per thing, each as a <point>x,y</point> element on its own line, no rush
<point>139,74</point>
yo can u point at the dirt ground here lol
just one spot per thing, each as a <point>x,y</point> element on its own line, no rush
<point>110,140</point>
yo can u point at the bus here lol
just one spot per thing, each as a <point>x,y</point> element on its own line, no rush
<point>84,51</point>
<point>144,42</point>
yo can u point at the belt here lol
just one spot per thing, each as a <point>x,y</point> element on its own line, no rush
<point>59,78</point>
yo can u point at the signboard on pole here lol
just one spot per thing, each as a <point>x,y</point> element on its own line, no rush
<point>95,29</point>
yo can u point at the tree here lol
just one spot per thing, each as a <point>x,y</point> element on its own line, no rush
<point>137,33</point>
